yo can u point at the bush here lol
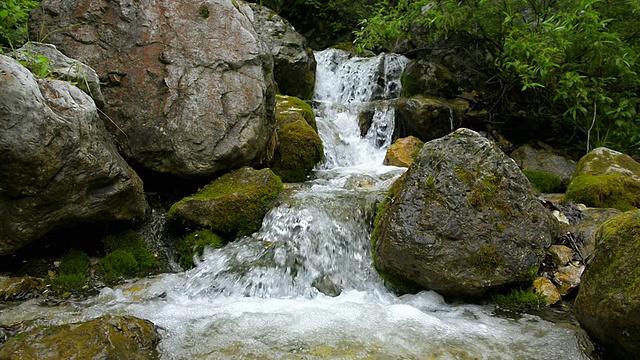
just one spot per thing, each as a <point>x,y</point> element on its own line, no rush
<point>193,244</point>
<point>13,21</point>
<point>574,61</point>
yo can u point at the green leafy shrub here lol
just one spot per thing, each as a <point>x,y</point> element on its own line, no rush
<point>543,181</point>
<point>127,256</point>
<point>575,62</point>
<point>519,301</point>
<point>13,21</point>
<point>72,272</point>
<point>37,64</point>
<point>193,244</point>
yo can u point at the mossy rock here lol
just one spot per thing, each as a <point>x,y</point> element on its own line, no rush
<point>107,337</point>
<point>232,205</point>
<point>127,256</point>
<point>607,179</point>
<point>290,109</point>
<point>543,181</point>
<point>518,300</point>
<point>421,77</point>
<point>193,244</point>
<point>608,302</point>
<point>299,150</point>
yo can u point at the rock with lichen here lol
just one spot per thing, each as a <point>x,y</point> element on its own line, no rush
<point>107,337</point>
<point>462,221</point>
<point>608,302</point>
<point>232,205</point>
<point>606,178</point>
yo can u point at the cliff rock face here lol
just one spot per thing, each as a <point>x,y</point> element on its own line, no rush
<point>461,221</point>
<point>188,84</point>
<point>58,163</point>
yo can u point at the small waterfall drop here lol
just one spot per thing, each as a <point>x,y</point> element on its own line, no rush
<point>260,296</point>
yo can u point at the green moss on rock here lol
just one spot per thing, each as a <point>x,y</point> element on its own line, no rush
<point>127,256</point>
<point>519,300</point>
<point>193,244</point>
<point>608,303</point>
<point>299,150</point>
<point>232,205</point>
<point>290,108</point>
<point>543,181</point>
<point>72,272</point>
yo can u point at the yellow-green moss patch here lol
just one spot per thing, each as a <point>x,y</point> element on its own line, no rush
<point>299,150</point>
<point>543,181</point>
<point>193,244</point>
<point>290,108</point>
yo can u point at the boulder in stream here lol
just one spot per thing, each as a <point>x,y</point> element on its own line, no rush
<point>426,117</point>
<point>529,158</point>
<point>461,221</point>
<point>606,178</point>
<point>403,151</point>
<point>188,85</point>
<point>107,337</point>
<point>232,205</point>
<point>608,302</point>
<point>59,165</point>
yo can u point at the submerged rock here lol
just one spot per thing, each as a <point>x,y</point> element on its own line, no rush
<point>328,284</point>
<point>232,205</point>
<point>294,66</point>
<point>107,337</point>
<point>606,178</point>
<point>403,151</point>
<point>461,221</point>
<point>608,302</point>
<point>189,85</point>
<point>58,164</point>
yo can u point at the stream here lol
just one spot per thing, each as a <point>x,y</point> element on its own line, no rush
<point>258,297</point>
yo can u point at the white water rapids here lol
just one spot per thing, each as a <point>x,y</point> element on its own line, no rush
<point>255,299</point>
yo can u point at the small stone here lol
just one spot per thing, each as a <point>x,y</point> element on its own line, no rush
<point>560,254</point>
<point>545,287</point>
<point>568,278</point>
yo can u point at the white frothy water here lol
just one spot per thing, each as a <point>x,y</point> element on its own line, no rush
<point>258,298</point>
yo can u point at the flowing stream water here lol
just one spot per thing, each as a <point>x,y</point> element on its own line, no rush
<point>258,297</point>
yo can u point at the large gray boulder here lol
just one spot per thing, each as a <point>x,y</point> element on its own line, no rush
<point>461,221</point>
<point>58,163</point>
<point>543,160</point>
<point>294,66</point>
<point>426,117</point>
<point>188,84</point>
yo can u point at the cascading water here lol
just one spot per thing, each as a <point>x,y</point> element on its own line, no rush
<point>258,297</point>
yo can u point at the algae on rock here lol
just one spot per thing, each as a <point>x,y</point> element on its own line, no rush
<point>232,205</point>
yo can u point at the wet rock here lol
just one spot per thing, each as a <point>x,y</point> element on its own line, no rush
<point>328,284</point>
<point>585,228</point>
<point>426,118</point>
<point>20,288</point>
<point>290,109</point>
<point>64,68</point>
<point>422,77</point>
<point>608,302</point>
<point>606,178</point>
<point>461,221</point>
<point>360,182</point>
<point>402,152</point>
<point>299,150</point>
<point>107,337</point>
<point>568,278</point>
<point>189,86</point>
<point>529,158</point>
<point>294,66</point>
<point>545,287</point>
<point>232,205</point>
<point>560,254</point>
<point>58,164</point>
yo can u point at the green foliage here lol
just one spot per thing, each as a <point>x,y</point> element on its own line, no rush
<point>13,21</point>
<point>127,256</point>
<point>72,271</point>
<point>543,181</point>
<point>193,244</point>
<point>37,64</point>
<point>519,301</point>
<point>578,58</point>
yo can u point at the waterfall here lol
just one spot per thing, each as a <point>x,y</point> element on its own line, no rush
<point>303,286</point>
